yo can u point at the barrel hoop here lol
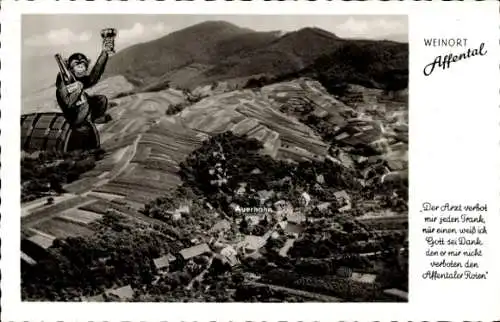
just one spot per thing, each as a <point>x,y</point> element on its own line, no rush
<point>54,137</point>
<point>66,139</point>
<point>47,131</point>
<point>27,142</point>
<point>63,138</point>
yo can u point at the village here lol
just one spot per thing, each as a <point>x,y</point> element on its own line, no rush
<point>279,224</point>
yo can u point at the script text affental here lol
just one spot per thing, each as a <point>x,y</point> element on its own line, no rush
<point>444,61</point>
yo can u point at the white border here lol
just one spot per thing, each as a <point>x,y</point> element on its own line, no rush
<point>453,174</point>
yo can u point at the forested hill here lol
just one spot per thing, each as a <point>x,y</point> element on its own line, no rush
<point>375,64</point>
<point>220,51</point>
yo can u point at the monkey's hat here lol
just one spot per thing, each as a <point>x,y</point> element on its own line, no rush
<point>79,58</point>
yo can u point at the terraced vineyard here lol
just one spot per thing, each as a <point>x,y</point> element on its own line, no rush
<point>144,147</point>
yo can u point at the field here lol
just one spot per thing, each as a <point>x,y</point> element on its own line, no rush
<point>380,223</point>
<point>61,228</point>
<point>79,216</point>
<point>144,146</point>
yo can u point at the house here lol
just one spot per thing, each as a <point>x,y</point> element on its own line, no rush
<point>162,263</point>
<point>255,255</point>
<point>294,229</point>
<point>398,294</point>
<point>190,252</point>
<point>95,298</point>
<point>363,278</point>
<point>344,199</point>
<point>125,293</point>
<point>183,209</point>
<point>323,206</point>
<point>283,208</point>
<point>320,179</point>
<point>256,171</point>
<point>264,195</point>
<point>296,218</point>
<point>305,198</point>
<point>176,216</point>
<point>252,243</point>
<point>234,206</point>
<point>253,220</point>
<point>222,225</point>
<point>288,244</point>
<point>344,271</point>
<point>241,191</point>
<point>229,255</point>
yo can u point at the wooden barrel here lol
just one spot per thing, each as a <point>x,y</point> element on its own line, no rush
<point>51,131</point>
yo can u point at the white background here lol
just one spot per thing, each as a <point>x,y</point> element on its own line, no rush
<point>454,157</point>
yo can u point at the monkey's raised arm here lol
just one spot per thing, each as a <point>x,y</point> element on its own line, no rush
<point>98,69</point>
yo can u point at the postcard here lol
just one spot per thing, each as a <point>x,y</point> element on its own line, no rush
<point>250,161</point>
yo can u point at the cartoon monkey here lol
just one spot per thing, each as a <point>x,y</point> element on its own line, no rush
<point>69,96</point>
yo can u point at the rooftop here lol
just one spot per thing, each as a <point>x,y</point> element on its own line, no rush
<point>194,251</point>
<point>296,217</point>
<point>123,293</point>
<point>294,228</point>
<point>95,298</point>
<point>288,244</point>
<point>163,261</point>
<point>341,194</point>
<point>364,278</point>
<point>252,242</point>
<point>221,225</point>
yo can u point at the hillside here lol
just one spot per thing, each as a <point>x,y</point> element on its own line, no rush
<point>172,168</point>
<point>215,50</point>
<point>172,172</point>
<point>203,43</point>
<point>45,100</point>
<point>374,64</point>
<point>292,52</point>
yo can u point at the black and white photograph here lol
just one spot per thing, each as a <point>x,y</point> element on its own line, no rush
<point>214,158</point>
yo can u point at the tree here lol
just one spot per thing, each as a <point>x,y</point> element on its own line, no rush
<point>244,229</point>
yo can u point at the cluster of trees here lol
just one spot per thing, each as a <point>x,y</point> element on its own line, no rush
<point>176,108</point>
<point>259,81</point>
<point>45,173</point>
<point>372,64</point>
<point>367,63</point>
<point>258,230</point>
<point>195,222</point>
<point>344,288</point>
<point>261,293</point>
<point>242,157</point>
<point>120,253</point>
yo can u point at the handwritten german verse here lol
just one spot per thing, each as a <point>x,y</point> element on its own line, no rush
<point>454,237</point>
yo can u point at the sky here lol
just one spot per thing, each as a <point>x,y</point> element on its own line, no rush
<point>45,35</point>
